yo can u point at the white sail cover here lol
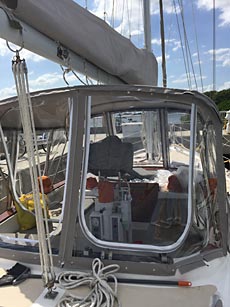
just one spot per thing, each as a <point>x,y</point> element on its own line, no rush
<point>89,37</point>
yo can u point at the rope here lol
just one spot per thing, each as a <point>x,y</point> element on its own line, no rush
<point>66,71</point>
<point>100,292</point>
<point>22,86</point>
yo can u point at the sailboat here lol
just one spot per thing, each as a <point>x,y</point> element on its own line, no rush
<point>96,217</point>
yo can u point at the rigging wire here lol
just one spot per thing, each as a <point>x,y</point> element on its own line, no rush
<point>86,75</point>
<point>187,55</point>
<point>188,47</point>
<point>181,43</point>
<point>171,26</point>
<point>192,65</point>
<point>131,18</point>
<point>105,10</point>
<point>185,39</point>
<point>122,17</point>
<point>214,45</point>
<point>197,48</point>
<point>128,16</point>
<point>113,14</point>
<point>170,29</point>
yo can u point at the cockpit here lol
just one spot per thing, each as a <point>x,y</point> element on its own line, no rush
<point>128,173</point>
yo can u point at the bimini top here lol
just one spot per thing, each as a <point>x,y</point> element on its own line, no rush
<point>51,106</point>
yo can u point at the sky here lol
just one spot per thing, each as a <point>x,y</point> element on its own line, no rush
<point>189,44</point>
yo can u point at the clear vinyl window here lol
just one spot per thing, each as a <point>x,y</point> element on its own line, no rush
<point>135,192</point>
<point>137,186</point>
<point>17,214</point>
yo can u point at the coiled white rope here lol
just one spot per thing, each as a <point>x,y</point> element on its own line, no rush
<point>100,294</point>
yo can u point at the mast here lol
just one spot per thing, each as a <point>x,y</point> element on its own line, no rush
<point>148,115</point>
<point>163,65</point>
<point>147,26</point>
<point>151,119</point>
<point>163,115</point>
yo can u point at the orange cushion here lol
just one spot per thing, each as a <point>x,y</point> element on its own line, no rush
<point>105,192</point>
<point>174,184</point>
<point>47,184</point>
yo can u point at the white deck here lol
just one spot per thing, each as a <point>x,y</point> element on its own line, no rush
<point>28,292</point>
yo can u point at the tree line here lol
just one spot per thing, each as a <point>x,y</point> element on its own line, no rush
<point>221,98</point>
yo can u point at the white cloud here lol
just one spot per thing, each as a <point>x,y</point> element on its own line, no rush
<point>175,43</point>
<point>180,80</point>
<point>224,86</point>
<point>209,87</point>
<point>167,6</point>
<point>197,63</point>
<point>26,54</point>
<point>222,56</point>
<point>127,16</point>
<point>222,5</point>
<point>159,58</point>
<point>183,80</point>
<point>156,41</point>
<point>7,92</point>
<point>45,81</point>
<point>42,82</point>
<point>4,50</point>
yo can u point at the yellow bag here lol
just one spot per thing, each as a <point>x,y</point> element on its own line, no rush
<point>26,220</point>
